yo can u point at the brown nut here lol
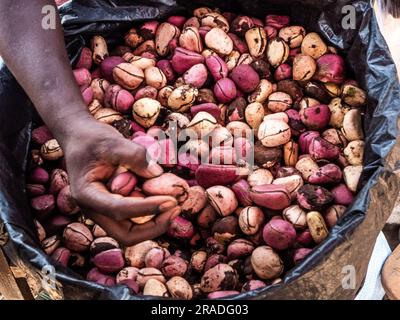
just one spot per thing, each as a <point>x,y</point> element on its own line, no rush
<point>296,216</point>
<point>107,115</point>
<point>290,153</point>
<point>165,33</point>
<point>190,39</point>
<point>195,202</point>
<point>266,263</point>
<point>352,125</point>
<point>304,67</point>
<point>254,115</point>
<point>133,38</point>
<point>155,78</point>
<point>251,220</point>
<point>313,45</point>
<point>277,52</point>
<point>317,226</point>
<point>353,95</point>
<point>279,102</point>
<point>182,98</point>
<point>259,177</point>
<point>164,94</point>
<point>354,152</point>
<point>155,288</point>
<point>99,48</point>
<point>232,59</point>
<point>217,40</point>
<point>135,255</point>
<point>262,92</point>
<point>146,111</point>
<point>128,75</point>
<point>198,260</point>
<point>293,35</point>
<point>256,39</point>
<point>307,167</point>
<point>220,277</point>
<point>351,176</point>
<point>77,237</point>
<point>338,111</point>
<point>273,133</point>
<point>51,150</point>
<point>215,20</point>
<point>179,288</point>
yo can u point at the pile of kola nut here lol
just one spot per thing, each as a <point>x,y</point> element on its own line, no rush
<point>258,130</point>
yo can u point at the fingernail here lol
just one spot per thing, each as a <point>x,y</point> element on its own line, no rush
<point>167,206</point>
<point>154,169</point>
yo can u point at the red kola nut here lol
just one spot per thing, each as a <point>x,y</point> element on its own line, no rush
<point>155,257</point>
<point>102,244</point>
<point>222,199</point>
<point>271,32</point>
<point>34,190</point>
<point>279,234</point>
<point>245,77</point>
<point>38,175</point>
<point>217,67</point>
<point>327,174</point>
<point>241,189</point>
<point>85,59</point>
<point>305,140</point>
<point>109,261</point>
<point>277,21</point>
<point>77,237</point>
<point>296,125</point>
<point>174,266</point>
<point>241,24</point>
<point>342,195</point>
<point>43,205</point>
<point>300,254</point>
<point>146,92</point>
<point>304,238</point>
<point>87,94</point>
<point>107,66</point>
<point>222,155</point>
<point>196,76</point>
<point>82,76</point>
<point>239,44</point>
<point>321,149</point>
<point>253,285</point>
<point>330,68</point>
<point>181,228</point>
<point>96,276</point>
<point>225,90</point>
<point>239,248</point>
<point>183,59</point>
<point>123,183</point>
<point>166,67</point>
<point>270,196</point>
<point>222,294</point>
<point>316,117</point>
<point>148,29</point>
<point>284,71</point>
<point>61,255</point>
<point>41,134</point>
<point>178,21</point>
<point>66,203</point>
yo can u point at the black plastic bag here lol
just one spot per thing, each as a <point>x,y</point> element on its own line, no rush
<point>351,241</point>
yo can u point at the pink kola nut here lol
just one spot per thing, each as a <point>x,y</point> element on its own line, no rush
<point>123,183</point>
<point>330,68</point>
<point>304,238</point>
<point>174,266</point>
<point>196,75</point>
<point>38,175</point>
<point>208,175</point>
<point>210,108</point>
<point>271,32</point>
<point>178,21</point>
<point>305,140</point>
<point>148,29</point>
<point>107,66</point>
<point>225,90</point>
<point>131,284</point>
<point>284,71</point>
<point>319,149</point>
<point>82,76</point>
<point>217,67</point>
<point>296,125</point>
<point>300,254</point>
<point>316,117</point>
<point>41,134</point>
<point>87,94</point>
<point>65,203</point>
<point>277,21</point>
<point>242,192</point>
<point>109,261</point>
<point>203,30</point>
<point>238,43</point>
<point>245,77</point>
<point>181,228</point>
<point>146,92</point>
<point>43,205</point>
<point>85,59</point>
<point>311,197</point>
<point>342,195</point>
<point>183,59</point>
<point>96,276</point>
<point>327,174</point>
<point>279,234</point>
<point>96,74</point>
<point>270,196</point>
<point>166,67</point>
<point>34,190</point>
<point>123,101</point>
<point>61,255</point>
<point>222,294</point>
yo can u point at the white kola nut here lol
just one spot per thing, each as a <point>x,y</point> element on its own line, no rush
<point>293,35</point>
<point>256,39</point>
<point>164,34</point>
<point>215,20</point>
<point>217,40</point>
<point>338,110</point>
<point>352,126</point>
<point>146,111</point>
<point>182,98</point>
<point>51,150</point>
<point>202,123</point>
<point>263,90</point>
<point>351,176</point>
<point>277,52</point>
<point>354,152</point>
<point>155,78</point>
<point>274,133</point>
<point>254,114</point>
<point>232,59</point>
<point>190,39</point>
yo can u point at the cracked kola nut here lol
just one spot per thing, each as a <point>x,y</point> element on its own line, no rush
<point>351,175</point>
<point>266,263</point>
<point>342,195</point>
<point>123,183</point>
<point>99,87</point>
<point>165,33</point>
<point>317,91</point>
<point>333,214</point>
<point>174,266</point>
<point>354,152</point>
<point>217,40</point>
<point>85,59</point>
<point>313,197</point>
<point>179,288</point>
<point>82,76</point>
<point>38,175</point>
<point>207,217</point>
<point>148,47</point>
<point>239,44</point>
<point>241,189</point>
<point>167,184</point>
<point>293,35</point>
<point>195,202</point>
<point>283,72</point>
<point>155,257</point>
<point>155,78</point>
<point>290,153</point>
<point>279,234</point>
<point>216,248</point>
<point>77,237</point>
<point>246,59</point>
<point>245,77</point>
<point>250,220</point>
<point>61,255</point>
<point>182,98</point>
<point>317,226</point>
<point>338,111</point>
<point>128,75</point>
<point>222,199</point>
<point>263,90</point>
<point>101,244</point>
<point>50,244</point>
<point>322,149</point>
<point>133,38</point>
<point>41,134</point>
<point>277,21</point>
<point>96,276</point>
<point>99,49</point>
<point>87,94</point>
<point>336,137</point>
<point>196,76</point>
<point>155,288</point>
<point>66,204</point>
<point>352,125</point>
<point>353,96</point>
<point>296,216</point>
<point>256,39</point>
<point>127,273</point>
<point>273,133</point>
<point>164,94</point>
<point>279,101</point>
<point>262,68</point>
<point>232,59</point>
<point>225,229</point>
<point>219,277</point>
<point>192,22</point>
<point>225,90</point>
<point>166,67</point>
<point>307,167</point>
<point>215,20</point>
<point>259,177</point>
<point>51,150</point>
<point>208,174</point>
<point>220,136</point>
<point>315,117</point>
<point>239,248</point>
<point>330,68</point>
<point>139,61</point>
<point>109,261</point>
<point>217,67</point>
<point>327,174</point>
<point>183,59</point>
<point>107,66</point>
<point>241,24</point>
<point>135,255</point>
<point>146,111</point>
<point>254,114</point>
<point>305,140</point>
<point>41,232</point>
<point>235,110</point>
<point>304,67</point>
<point>146,92</point>
<point>292,183</point>
<point>282,172</point>
<point>43,205</point>
<point>253,285</point>
<point>313,45</point>
<point>277,52</point>
<point>266,157</point>
<point>270,196</point>
<point>190,39</point>
<point>180,228</point>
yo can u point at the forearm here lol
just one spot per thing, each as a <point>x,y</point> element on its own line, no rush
<point>38,60</point>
